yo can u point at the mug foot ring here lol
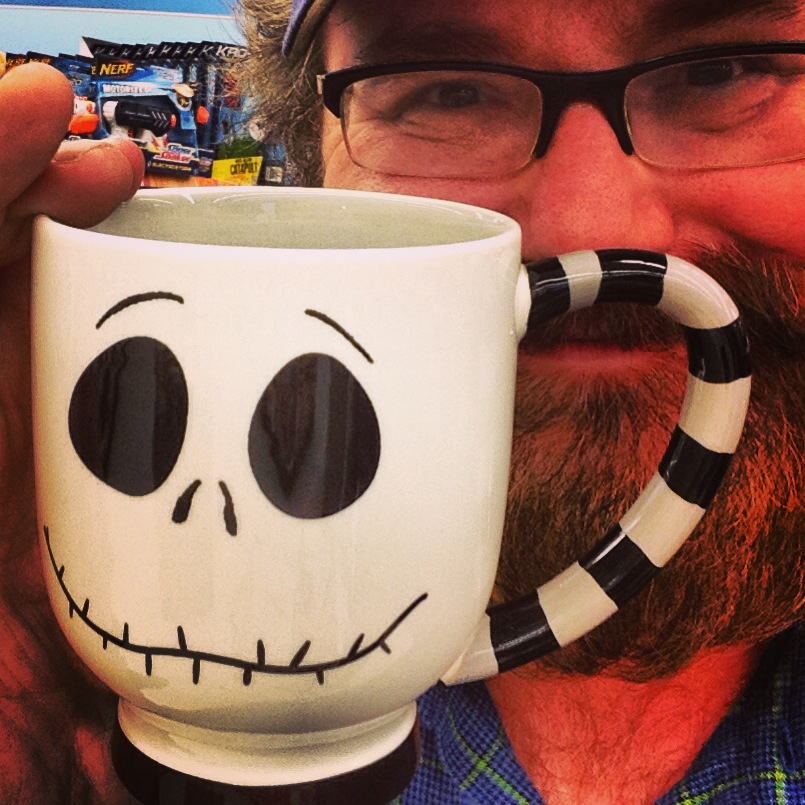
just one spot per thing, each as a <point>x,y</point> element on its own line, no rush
<point>155,784</point>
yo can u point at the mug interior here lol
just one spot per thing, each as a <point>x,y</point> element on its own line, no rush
<point>293,218</point>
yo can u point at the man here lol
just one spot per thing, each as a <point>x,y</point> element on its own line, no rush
<point>693,692</point>
<point>624,715</point>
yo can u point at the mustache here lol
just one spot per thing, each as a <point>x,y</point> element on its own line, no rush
<point>767,288</point>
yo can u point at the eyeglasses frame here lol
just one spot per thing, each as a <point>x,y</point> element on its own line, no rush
<point>604,89</point>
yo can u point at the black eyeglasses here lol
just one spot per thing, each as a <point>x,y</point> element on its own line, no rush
<point>726,107</point>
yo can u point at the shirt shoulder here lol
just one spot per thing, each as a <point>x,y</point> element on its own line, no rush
<point>465,756</point>
<point>757,754</point>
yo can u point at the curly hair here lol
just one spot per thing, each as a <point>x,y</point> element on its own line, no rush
<point>288,108</point>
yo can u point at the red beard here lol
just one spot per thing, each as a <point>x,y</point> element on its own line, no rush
<point>592,445</point>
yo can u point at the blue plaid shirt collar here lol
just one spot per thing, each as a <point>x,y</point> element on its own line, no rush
<point>755,756</point>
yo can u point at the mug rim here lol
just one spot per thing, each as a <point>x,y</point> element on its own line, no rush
<point>94,237</point>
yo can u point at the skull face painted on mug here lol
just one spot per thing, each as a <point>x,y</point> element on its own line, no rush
<point>263,487</point>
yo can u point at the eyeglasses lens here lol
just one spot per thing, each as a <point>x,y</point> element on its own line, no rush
<point>720,113</point>
<point>442,124</point>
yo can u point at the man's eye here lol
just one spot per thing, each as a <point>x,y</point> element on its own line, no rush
<point>435,97</point>
<point>711,74</point>
<point>455,94</point>
<point>723,72</point>
<point>712,95</point>
<point>409,96</point>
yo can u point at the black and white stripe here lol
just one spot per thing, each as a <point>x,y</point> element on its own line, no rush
<point>693,466</point>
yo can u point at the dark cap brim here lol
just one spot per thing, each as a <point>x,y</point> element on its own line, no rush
<point>303,25</point>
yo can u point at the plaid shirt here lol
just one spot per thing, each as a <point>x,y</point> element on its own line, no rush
<point>755,756</point>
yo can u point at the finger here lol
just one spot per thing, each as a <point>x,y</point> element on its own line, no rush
<point>84,183</point>
<point>36,102</point>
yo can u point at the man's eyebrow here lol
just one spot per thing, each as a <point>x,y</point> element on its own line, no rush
<point>136,299</point>
<point>682,16</point>
<point>340,330</point>
<point>436,40</point>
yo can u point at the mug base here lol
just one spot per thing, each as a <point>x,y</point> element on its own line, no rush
<point>152,783</point>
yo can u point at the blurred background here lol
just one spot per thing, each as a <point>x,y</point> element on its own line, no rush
<point>159,72</point>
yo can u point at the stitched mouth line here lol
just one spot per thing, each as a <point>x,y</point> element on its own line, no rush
<point>296,666</point>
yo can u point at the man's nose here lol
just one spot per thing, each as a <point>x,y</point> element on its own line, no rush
<point>586,193</point>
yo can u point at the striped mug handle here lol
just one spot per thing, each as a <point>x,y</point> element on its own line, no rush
<point>695,461</point>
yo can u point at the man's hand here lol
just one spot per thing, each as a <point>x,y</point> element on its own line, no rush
<point>54,718</point>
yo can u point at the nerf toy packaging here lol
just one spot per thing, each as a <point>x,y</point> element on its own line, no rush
<point>177,100</point>
<point>151,105</point>
<point>180,104</point>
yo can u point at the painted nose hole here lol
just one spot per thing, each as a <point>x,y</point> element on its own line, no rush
<point>181,510</point>
<point>230,521</point>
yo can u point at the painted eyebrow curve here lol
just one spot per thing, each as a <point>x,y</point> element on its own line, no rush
<point>340,330</point>
<point>136,299</point>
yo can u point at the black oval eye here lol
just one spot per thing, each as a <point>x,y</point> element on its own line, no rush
<point>128,415</point>
<point>314,441</point>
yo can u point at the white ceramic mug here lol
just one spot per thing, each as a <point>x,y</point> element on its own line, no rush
<point>273,432</point>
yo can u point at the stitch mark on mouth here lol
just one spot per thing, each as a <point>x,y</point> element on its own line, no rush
<point>296,665</point>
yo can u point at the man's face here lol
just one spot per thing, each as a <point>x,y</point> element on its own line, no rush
<point>598,392</point>
<point>585,193</point>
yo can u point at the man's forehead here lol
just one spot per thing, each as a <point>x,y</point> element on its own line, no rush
<point>547,30</point>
